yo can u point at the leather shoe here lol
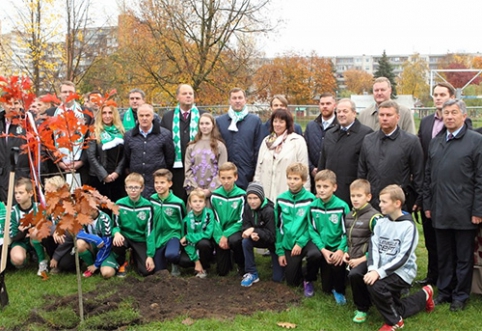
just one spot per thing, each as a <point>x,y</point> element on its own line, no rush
<point>440,300</point>
<point>457,305</point>
<point>425,282</point>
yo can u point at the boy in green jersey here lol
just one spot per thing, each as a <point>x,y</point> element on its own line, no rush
<point>228,204</point>
<point>163,245</point>
<point>198,232</point>
<point>133,226</point>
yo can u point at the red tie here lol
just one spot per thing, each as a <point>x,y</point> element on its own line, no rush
<point>185,115</point>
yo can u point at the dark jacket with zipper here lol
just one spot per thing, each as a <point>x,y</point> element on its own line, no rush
<point>262,220</point>
<point>359,226</point>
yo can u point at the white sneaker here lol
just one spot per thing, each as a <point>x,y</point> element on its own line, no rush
<point>175,270</point>
<point>42,266</point>
<point>203,274</point>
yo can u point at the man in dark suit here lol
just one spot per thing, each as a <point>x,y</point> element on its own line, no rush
<point>451,198</point>
<point>183,123</point>
<point>341,148</point>
<point>316,130</point>
<point>430,127</point>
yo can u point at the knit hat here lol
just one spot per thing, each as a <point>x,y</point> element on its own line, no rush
<point>255,188</point>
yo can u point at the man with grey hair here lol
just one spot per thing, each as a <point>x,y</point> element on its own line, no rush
<point>392,156</point>
<point>148,147</point>
<point>341,147</point>
<point>451,198</point>
<point>382,89</point>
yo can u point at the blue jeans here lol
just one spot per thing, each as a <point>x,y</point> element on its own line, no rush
<point>170,252</point>
<point>250,265</point>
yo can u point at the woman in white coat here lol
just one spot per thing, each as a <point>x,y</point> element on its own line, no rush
<point>278,150</point>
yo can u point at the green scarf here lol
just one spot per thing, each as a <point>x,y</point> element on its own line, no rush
<point>176,132</point>
<point>129,120</point>
<point>236,116</point>
<point>111,137</point>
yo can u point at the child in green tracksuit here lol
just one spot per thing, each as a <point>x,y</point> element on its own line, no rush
<point>19,235</point>
<point>327,231</point>
<point>198,232</point>
<point>228,204</point>
<point>101,227</point>
<point>133,226</point>
<point>292,237</point>
<point>163,244</point>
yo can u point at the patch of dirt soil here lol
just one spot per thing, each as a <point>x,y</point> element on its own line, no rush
<point>160,297</point>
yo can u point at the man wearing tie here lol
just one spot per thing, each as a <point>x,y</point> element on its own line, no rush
<point>183,123</point>
<point>341,148</point>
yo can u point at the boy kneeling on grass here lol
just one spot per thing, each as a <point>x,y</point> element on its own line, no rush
<point>392,263</point>
<point>327,231</point>
<point>293,242</point>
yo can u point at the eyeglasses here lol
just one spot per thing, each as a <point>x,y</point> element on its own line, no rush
<point>133,188</point>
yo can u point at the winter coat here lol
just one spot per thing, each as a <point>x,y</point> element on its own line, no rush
<point>98,160</point>
<point>146,155</point>
<point>453,180</point>
<point>243,145</point>
<point>262,220</point>
<point>271,171</point>
<point>395,159</point>
<point>314,136</point>
<point>340,154</point>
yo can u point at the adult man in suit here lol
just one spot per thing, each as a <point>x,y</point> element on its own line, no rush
<point>451,198</point>
<point>183,123</point>
<point>316,130</point>
<point>341,147</point>
<point>430,127</point>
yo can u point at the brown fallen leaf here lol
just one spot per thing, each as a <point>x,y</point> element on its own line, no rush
<point>188,321</point>
<point>286,325</point>
<point>154,305</point>
<point>44,275</point>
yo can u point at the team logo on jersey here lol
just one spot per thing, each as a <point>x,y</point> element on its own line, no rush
<point>142,215</point>
<point>169,211</point>
<point>333,219</point>
<point>19,130</point>
<point>234,205</point>
<point>300,213</point>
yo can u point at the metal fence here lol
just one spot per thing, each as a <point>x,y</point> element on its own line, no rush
<point>305,113</point>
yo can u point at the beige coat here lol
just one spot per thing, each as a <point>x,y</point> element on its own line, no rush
<point>271,173</point>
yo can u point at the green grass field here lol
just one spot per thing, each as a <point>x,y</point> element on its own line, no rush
<point>28,293</point>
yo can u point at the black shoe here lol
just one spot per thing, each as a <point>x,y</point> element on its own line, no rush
<point>457,305</point>
<point>425,282</point>
<point>440,300</point>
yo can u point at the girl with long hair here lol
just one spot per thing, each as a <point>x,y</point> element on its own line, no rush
<point>204,155</point>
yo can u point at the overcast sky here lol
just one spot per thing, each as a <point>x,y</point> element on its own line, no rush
<point>353,27</point>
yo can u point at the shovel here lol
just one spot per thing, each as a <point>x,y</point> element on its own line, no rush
<point>6,231</point>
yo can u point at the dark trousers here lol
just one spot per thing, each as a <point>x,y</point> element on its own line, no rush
<point>385,294</point>
<point>250,265</point>
<point>332,277</point>
<point>293,272</point>
<point>139,253</point>
<point>178,183</point>
<point>204,249</point>
<point>169,253</point>
<point>66,261</point>
<point>431,245</point>
<point>361,297</point>
<point>223,256</point>
<point>114,190</point>
<point>456,259</point>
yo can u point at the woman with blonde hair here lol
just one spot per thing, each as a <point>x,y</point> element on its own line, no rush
<point>204,155</point>
<point>106,153</point>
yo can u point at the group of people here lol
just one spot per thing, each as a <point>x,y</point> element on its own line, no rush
<point>340,195</point>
